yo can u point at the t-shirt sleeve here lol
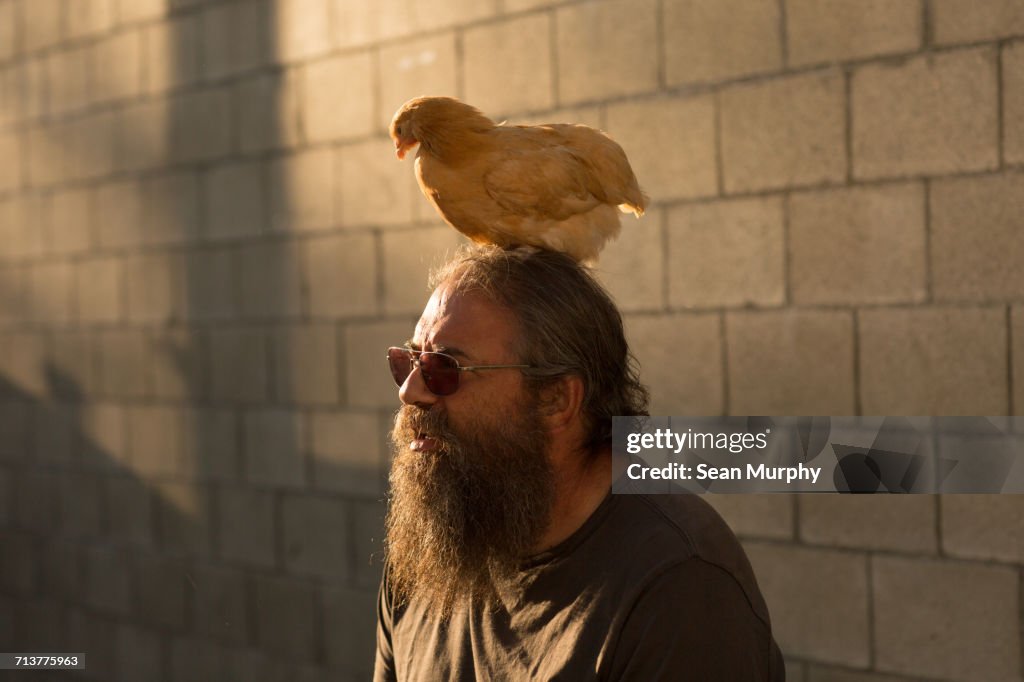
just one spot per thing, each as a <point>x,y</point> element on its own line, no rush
<point>384,665</point>
<point>694,622</point>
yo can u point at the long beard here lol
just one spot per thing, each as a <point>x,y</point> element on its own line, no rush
<point>462,516</point>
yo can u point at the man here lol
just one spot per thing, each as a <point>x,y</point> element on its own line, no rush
<point>508,558</point>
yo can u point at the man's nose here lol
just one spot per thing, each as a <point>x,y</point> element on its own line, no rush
<point>414,391</point>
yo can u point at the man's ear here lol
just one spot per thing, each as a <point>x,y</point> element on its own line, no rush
<point>562,402</point>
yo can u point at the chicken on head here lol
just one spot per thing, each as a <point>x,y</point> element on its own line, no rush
<point>553,186</point>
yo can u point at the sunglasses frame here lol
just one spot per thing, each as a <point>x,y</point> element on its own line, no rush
<point>415,361</point>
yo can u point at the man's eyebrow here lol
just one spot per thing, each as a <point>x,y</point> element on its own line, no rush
<point>438,348</point>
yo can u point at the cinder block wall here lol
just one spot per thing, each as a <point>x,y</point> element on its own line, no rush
<point>206,243</point>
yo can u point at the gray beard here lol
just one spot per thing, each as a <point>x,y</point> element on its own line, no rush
<point>463,516</point>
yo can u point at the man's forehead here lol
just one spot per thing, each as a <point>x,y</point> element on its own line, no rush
<point>458,319</point>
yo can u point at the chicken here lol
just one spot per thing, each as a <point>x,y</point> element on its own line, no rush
<point>553,186</point>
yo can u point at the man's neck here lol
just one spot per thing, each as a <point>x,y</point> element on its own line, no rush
<point>581,484</point>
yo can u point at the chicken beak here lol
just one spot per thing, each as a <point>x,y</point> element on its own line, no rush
<point>403,145</point>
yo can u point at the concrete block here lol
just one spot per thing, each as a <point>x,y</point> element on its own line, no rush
<point>850,29</point>
<point>98,290</point>
<point>727,253</point>
<point>123,360</point>
<point>131,11</point>
<point>270,278</point>
<point>53,435</point>
<point>606,49</point>
<point>201,128</point>
<point>306,364</point>
<point>954,22</point>
<point>104,438</point>
<point>341,273</point>
<point>935,114</point>
<point>21,221</point>
<point>632,267</point>
<point>301,191</point>
<point>184,517</point>
<point>247,526</point>
<point>13,296</point>
<point>822,674</point>
<point>90,152</point>
<point>368,381</point>
<point>415,67</point>
<point>957,621</point>
<point>268,113</point>
<point>211,443</point>
<point>286,614</point>
<point>347,451</point>
<point>802,588</point>
<point>357,24</point>
<point>177,357</point>
<point>72,361</point>
<point>236,38</point>
<point>274,448</point>
<point>350,621</point>
<point>23,365</point>
<point>60,564</point>
<point>156,287</point>
<point>80,505</point>
<point>976,248</point>
<point>508,66</point>
<point>1017,359</point>
<point>40,24</point>
<point>117,67</point>
<point>18,565</point>
<point>142,137</point>
<point>15,418</point>
<point>858,245</point>
<point>987,527</point>
<point>374,188</point>
<point>35,89</point>
<point>791,362</point>
<point>316,537</point>
<point>9,30</point>
<point>757,516</point>
<point>338,97</point>
<point>6,494</point>
<point>70,221</point>
<point>687,383</point>
<point>87,18</point>
<point>40,623</point>
<point>50,292</point>
<point>107,581</point>
<point>1013,102</point>
<point>368,539</point>
<point>68,74</point>
<point>196,659</point>
<point>37,505</point>
<point>155,439</point>
<point>302,29</point>
<point>171,208</point>
<point>211,284</point>
<point>902,523</point>
<point>690,169</point>
<point>783,132</point>
<point>448,12</point>
<point>713,41</point>
<point>409,257</point>
<point>119,214</point>
<point>96,635</point>
<point>138,654</point>
<point>916,362</point>
<point>238,365</point>
<point>235,195</point>
<point>161,584</point>
<point>47,155</point>
<point>219,604</point>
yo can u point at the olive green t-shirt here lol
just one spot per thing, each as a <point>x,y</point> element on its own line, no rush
<point>651,587</point>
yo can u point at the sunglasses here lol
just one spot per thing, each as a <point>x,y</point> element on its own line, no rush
<point>440,371</point>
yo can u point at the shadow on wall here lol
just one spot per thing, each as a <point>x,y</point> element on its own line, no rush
<point>176,493</point>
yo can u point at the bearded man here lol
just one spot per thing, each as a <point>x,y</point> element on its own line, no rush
<point>508,557</point>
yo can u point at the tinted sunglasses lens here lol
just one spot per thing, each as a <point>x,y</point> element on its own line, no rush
<point>400,362</point>
<point>440,373</point>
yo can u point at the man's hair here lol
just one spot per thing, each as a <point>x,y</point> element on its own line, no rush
<point>568,325</point>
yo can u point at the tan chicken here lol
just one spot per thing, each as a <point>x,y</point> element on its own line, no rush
<point>553,186</point>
